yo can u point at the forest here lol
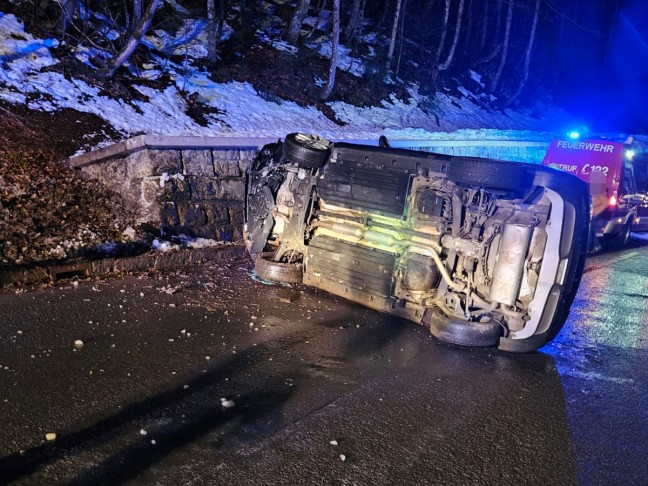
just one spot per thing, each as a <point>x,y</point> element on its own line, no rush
<point>508,52</point>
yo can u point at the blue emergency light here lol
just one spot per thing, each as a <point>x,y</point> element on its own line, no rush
<point>573,134</point>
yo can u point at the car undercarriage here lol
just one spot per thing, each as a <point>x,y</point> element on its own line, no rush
<point>484,252</point>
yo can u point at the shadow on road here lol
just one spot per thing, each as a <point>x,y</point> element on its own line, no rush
<point>138,456</point>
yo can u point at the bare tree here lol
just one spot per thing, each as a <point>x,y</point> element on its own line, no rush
<point>383,14</point>
<point>446,64</point>
<point>507,36</point>
<point>527,57</point>
<point>402,37</point>
<point>133,42</point>
<point>482,41</point>
<point>68,8</point>
<point>214,29</point>
<point>353,20</point>
<point>330,84</point>
<point>469,24</point>
<point>296,21</point>
<point>392,42</point>
<point>137,13</point>
<point>444,31</point>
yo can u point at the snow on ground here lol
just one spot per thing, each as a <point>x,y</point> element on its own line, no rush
<point>242,112</point>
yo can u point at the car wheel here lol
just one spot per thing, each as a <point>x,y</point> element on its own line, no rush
<point>493,174</point>
<point>266,268</point>
<point>617,240</point>
<point>309,151</point>
<point>465,333</point>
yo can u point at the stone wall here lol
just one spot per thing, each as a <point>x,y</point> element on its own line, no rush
<point>196,184</point>
<point>197,192</point>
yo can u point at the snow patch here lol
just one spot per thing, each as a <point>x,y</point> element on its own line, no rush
<point>241,111</point>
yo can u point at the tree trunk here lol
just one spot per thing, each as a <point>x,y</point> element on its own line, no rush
<point>133,42</point>
<point>482,42</point>
<point>330,84</point>
<point>320,11</point>
<point>446,64</point>
<point>402,37</point>
<point>292,36</point>
<point>68,7</point>
<point>527,57</point>
<point>212,42</point>
<point>221,20</point>
<point>383,15</point>
<point>137,13</point>
<point>498,18</point>
<point>392,42</point>
<point>507,35</point>
<point>241,17</point>
<point>353,20</point>
<point>444,32</point>
<point>469,25</point>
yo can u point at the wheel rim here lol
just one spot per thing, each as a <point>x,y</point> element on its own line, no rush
<point>312,141</point>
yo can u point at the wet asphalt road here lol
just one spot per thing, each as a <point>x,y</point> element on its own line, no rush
<point>323,391</point>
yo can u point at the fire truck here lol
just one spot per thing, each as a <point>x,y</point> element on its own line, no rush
<point>617,177</point>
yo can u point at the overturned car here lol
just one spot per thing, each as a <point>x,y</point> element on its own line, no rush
<point>484,252</point>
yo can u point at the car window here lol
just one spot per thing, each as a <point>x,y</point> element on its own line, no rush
<point>629,186</point>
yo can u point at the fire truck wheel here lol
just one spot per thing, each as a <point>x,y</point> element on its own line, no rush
<point>618,240</point>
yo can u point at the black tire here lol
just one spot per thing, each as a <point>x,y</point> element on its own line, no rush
<point>309,151</point>
<point>618,240</point>
<point>268,269</point>
<point>492,174</point>
<point>457,331</point>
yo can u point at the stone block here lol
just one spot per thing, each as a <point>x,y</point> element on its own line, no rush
<point>236,214</point>
<point>232,189</point>
<point>134,264</point>
<point>229,233</point>
<point>226,168</point>
<point>113,172</point>
<point>244,165</point>
<point>202,255</point>
<point>150,162</point>
<point>217,212</point>
<point>207,231</point>
<point>173,259</point>
<point>169,215</point>
<point>35,276</point>
<point>176,189</point>
<point>198,162</point>
<point>165,188</point>
<point>191,214</point>
<point>233,154</point>
<point>204,188</point>
<point>103,267</point>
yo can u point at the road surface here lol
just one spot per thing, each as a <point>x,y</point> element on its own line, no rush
<point>206,376</point>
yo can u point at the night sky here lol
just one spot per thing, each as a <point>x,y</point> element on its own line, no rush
<point>605,71</point>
